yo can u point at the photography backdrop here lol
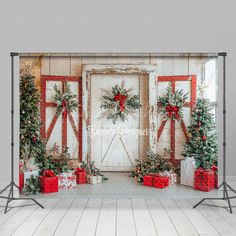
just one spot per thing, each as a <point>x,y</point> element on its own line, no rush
<point>121,26</point>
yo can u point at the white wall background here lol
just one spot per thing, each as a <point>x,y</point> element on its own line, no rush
<point>116,26</point>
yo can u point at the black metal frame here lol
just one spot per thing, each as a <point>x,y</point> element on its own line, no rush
<point>226,187</point>
<point>12,184</point>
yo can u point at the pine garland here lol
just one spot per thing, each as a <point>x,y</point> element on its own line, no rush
<point>171,104</point>
<point>153,164</point>
<point>119,103</point>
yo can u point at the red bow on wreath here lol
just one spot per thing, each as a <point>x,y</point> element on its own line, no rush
<point>172,110</point>
<point>64,113</point>
<point>121,98</point>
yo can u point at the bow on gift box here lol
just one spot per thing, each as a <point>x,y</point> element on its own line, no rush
<point>121,99</point>
<point>48,173</point>
<point>79,170</point>
<point>172,110</point>
<point>214,168</point>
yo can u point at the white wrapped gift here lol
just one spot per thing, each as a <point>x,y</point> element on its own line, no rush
<point>187,168</point>
<point>28,174</point>
<point>172,176</point>
<point>92,179</point>
<point>66,180</point>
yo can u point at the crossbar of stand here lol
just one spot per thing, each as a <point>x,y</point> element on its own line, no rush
<point>10,187</point>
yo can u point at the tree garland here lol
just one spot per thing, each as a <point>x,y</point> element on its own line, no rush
<point>65,101</point>
<point>171,104</point>
<point>119,103</point>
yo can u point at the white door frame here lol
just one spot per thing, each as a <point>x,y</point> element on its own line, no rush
<point>149,70</point>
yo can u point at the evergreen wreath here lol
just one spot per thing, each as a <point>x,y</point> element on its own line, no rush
<point>65,100</point>
<point>171,104</point>
<point>119,103</point>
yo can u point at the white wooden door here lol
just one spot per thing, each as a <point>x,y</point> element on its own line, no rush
<point>114,147</point>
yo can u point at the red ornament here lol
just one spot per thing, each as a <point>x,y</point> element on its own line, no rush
<point>199,124</point>
<point>204,138</point>
<point>35,139</point>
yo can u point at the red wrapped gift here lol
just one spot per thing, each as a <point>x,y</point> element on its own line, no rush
<point>204,180</point>
<point>81,177</point>
<point>215,169</point>
<point>21,181</point>
<point>148,180</point>
<point>48,184</point>
<point>160,181</point>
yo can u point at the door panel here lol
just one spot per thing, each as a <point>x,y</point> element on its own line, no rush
<point>116,146</point>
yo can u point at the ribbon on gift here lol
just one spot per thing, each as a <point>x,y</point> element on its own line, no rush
<point>48,173</point>
<point>79,170</point>
<point>121,99</point>
<point>214,168</point>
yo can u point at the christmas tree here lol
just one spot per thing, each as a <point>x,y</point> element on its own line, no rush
<point>31,144</point>
<point>202,143</point>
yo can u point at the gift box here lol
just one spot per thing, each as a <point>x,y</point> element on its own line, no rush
<point>48,184</point>
<point>21,181</point>
<point>148,180</point>
<point>66,180</point>
<point>204,180</point>
<point>171,176</point>
<point>215,169</point>
<point>160,181</point>
<point>81,177</point>
<point>187,169</point>
<point>94,179</point>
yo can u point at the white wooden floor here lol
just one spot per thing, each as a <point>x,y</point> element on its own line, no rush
<point>117,216</point>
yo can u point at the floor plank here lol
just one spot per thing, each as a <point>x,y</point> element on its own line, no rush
<point>199,222</point>
<point>70,221</point>
<point>161,219</point>
<point>125,219</point>
<point>143,220</point>
<point>217,221</point>
<point>9,226</point>
<point>50,223</point>
<point>28,227</point>
<point>181,222</point>
<point>88,222</point>
<point>107,218</point>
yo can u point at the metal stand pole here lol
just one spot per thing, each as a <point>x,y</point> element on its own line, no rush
<point>12,184</point>
<point>226,187</point>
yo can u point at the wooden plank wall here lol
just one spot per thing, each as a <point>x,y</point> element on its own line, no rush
<point>72,65</point>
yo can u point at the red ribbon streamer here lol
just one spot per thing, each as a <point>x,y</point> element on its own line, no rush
<point>121,99</point>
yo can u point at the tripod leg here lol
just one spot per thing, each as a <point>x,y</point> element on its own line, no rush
<point>17,186</point>
<point>8,199</point>
<point>199,203</point>
<point>230,188</point>
<point>5,188</point>
<point>220,186</point>
<point>37,202</point>
<point>226,192</point>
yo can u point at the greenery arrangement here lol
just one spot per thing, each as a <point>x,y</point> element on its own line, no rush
<point>153,164</point>
<point>31,143</point>
<point>32,186</point>
<point>91,169</point>
<point>66,101</point>
<point>171,104</point>
<point>119,103</point>
<point>202,143</point>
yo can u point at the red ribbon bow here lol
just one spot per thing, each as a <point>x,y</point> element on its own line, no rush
<point>172,110</point>
<point>48,173</point>
<point>214,168</point>
<point>79,170</point>
<point>121,99</point>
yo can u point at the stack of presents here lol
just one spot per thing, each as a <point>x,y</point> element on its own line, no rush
<point>50,182</point>
<point>199,179</point>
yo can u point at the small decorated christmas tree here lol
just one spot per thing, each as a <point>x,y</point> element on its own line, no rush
<point>202,143</point>
<point>30,139</point>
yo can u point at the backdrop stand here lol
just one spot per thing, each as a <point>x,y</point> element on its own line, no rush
<point>224,185</point>
<point>12,184</point>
